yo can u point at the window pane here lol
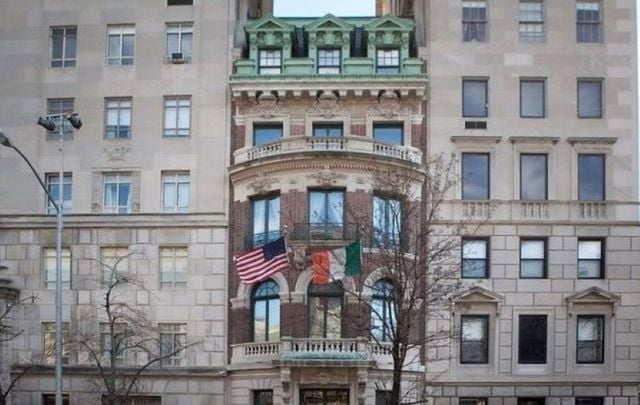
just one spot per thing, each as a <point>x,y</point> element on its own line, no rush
<point>590,339</point>
<point>474,249</point>
<point>589,249</point>
<point>532,249</point>
<point>531,269</point>
<point>589,269</point>
<point>533,177</point>
<point>114,46</point>
<point>259,216</point>
<point>532,347</point>
<point>474,102</point>
<point>591,180</point>
<point>274,320</point>
<point>391,134</point>
<point>475,176</point>
<point>266,134</point>
<point>474,258</point>
<point>334,207</point>
<point>474,339</point>
<point>57,40</point>
<point>260,321</point>
<point>589,98</point>
<point>532,98</point>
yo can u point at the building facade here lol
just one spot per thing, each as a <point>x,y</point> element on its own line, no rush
<point>214,128</point>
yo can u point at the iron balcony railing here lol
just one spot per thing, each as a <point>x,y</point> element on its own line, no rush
<point>325,231</point>
<point>256,240</point>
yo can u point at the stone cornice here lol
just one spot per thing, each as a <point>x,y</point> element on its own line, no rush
<point>534,139</point>
<point>609,140</point>
<point>475,139</point>
<point>115,221</point>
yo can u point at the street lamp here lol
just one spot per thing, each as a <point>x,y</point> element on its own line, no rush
<point>49,124</point>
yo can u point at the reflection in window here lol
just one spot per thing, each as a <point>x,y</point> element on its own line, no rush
<point>533,176</point>
<point>266,220</point>
<point>326,215</point>
<point>532,98</point>
<point>590,263</point>
<point>388,61</point>
<point>590,342</point>
<point>383,307</point>
<point>387,220</point>
<point>589,98</point>
<point>327,130</point>
<point>389,133</point>
<point>264,134</point>
<point>475,102</point>
<point>591,177</point>
<point>474,258</point>
<point>475,176</point>
<point>533,258</point>
<point>474,341</point>
<point>265,307</point>
<point>325,311</point>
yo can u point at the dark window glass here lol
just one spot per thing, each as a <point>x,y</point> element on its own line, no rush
<point>270,62</point>
<point>588,21</point>
<point>531,401</point>
<point>589,98</point>
<point>387,221</point>
<point>475,102</point>
<point>325,311</point>
<point>532,348</point>
<point>389,133</point>
<point>179,2</point>
<point>474,21</point>
<point>265,309</point>
<point>533,263</point>
<point>136,400</point>
<point>589,401</point>
<point>388,61</point>
<point>327,130</point>
<point>263,397</point>
<point>590,339</point>
<point>533,176</point>
<point>383,397</point>
<point>50,399</point>
<point>475,258</point>
<point>328,61</point>
<point>474,339</point>
<point>590,258</point>
<point>591,177</point>
<point>324,397</point>
<point>532,98</point>
<point>475,176</point>
<point>383,316</point>
<point>472,401</point>
<point>63,46</point>
<point>266,220</point>
<point>264,134</point>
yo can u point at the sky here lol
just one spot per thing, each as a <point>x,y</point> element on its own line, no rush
<point>314,8</point>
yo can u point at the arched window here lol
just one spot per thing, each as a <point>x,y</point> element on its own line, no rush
<point>325,310</point>
<point>383,306</point>
<point>265,311</point>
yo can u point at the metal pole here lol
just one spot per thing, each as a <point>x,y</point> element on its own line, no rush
<point>60,226</point>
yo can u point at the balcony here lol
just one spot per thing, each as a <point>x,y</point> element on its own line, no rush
<point>256,240</point>
<point>341,145</point>
<point>325,232</point>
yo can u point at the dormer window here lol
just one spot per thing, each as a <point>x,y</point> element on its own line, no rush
<point>388,61</point>
<point>270,62</point>
<point>328,61</point>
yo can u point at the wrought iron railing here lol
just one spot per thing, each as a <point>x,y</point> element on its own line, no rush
<point>325,231</point>
<point>256,240</point>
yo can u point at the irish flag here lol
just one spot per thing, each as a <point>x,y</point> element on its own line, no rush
<point>335,264</point>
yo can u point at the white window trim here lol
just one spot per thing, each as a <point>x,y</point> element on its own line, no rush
<point>120,30</point>
<point>182,28</point>
<point>533,369</point>
<point>171,177</point>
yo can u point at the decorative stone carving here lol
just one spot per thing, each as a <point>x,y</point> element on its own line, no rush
<point>268,105</point>
<point>263,184</point>
<point>388,105</point>
<point>327,105</point>
<point>326,177</point>
<point>116,154</point>
<point>300,259</point>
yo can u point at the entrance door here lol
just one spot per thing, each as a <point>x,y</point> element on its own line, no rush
<point>324,397</point>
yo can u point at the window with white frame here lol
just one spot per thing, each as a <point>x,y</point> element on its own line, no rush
<point>63,46</point>
<point>60,107</point>
<point>270,61</point>
<point>173,339</point>
<point>475,257</point>
<point>590,258</point>
<point>531,27</point>
<point>53,187</point>
<point>115,263</point>
<point>173,267</point>
<point>474,21</point>
<point>113,342</point>
<point>175,192</point>
<point>49,343</point>
<point>533,258</point>
<point>120,44</point>
<point>118,118</point>
<point>329,61</point>
<point>117,193</point>
<point>588,22</point>
<point>388,61</point>
<point>50,268</point>
<point>179,46</point>
<point>177,116</point>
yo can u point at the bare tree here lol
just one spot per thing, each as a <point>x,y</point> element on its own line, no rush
<point>126,343</point>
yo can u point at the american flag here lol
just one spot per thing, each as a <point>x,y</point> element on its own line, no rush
<point>261,263</point>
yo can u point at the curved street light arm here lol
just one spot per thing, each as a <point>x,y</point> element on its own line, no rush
<point>35,173</point>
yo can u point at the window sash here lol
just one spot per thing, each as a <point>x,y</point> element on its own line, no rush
<point>49,255</point>
<point>387,61</point>
<point>590,258</point>
<point>590,332</point>
<point>173,267</point>
<point>175,192</point>
<point>588,22</point>
<point>53,187</point>
<point>591,177</point>
<point>118,118</point>
<point>117,193</point>
<point>177,116</point>
<point>265,134</point>
<point>474,339</point>
<point>329,61</point>
<point>179,39</point>
<point>326,208</point>
<point>533,258</point>
<point>533,177</point>
<point>475,100</point>
<point>265,220</point>
<point>120,44</point>
<point>532,345</point>
<point>60,106</point>
<point>63,46</point>
<point>270,61</point>
<point>48,342</point>
<point>474,21</point>
<point>475,262</point>
<point>532,98</point>
<point>476,176</point>
<point>590,98</point>
<point>387,221</point>
<point>392,134</point>
<point>172,337</point>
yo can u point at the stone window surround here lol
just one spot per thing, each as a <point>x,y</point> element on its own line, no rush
<point>533,369</point>
<point>609,338</point>
<point>97,194</point>
<point>602,146</point>
<point>535,145</point>
<point>479,147</point>
<point>251,121</point>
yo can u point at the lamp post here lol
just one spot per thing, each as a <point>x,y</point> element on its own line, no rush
<point>48,123</point>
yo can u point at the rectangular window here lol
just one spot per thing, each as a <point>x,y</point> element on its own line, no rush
<point>326,215</point>
<point>475,254</point>
<point>49,343</point>
<point>472,401</point>
<point>266,220</point>
<point>117,193</point>
<point>179,2</point>
<point>388,61</point>
<point>533,262</point>
<point>474,339</point>
<point>173,337</point>
<point>53,186</point>
<point>270,61</point>
<point>475,176</point>
<point>532,335</point>
<point>531,401</point>
<point>475,101</point>
<point>474,21</point>
<point>179,46</point>
<point>266,133</point>
<point>117,118</point>
<point>173,267</point>
<point>589,401</point>
<point>50,399</point>
<point>120,43</point>
<point>63,46</point>
<point>263,397</point>
<point>177,116</point>
<point>591,177</point>
<point>589,98</point>
<point>590,258</point>
<point>531,28</point>
<point>113,341</point>
<point>392,134</point>
<point>590,339</point>
<point>533,176</point>
<point>387,222</point>
<point>59,107</point>
<point>136,400</point>
<point>532,98</point>
<point>329,61</point>
<point>327,130</point>
<point>115,264</point>
<point>589,22</point>
<point>50,268</point>
<point>383,397</point>
<point>175,192</point>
